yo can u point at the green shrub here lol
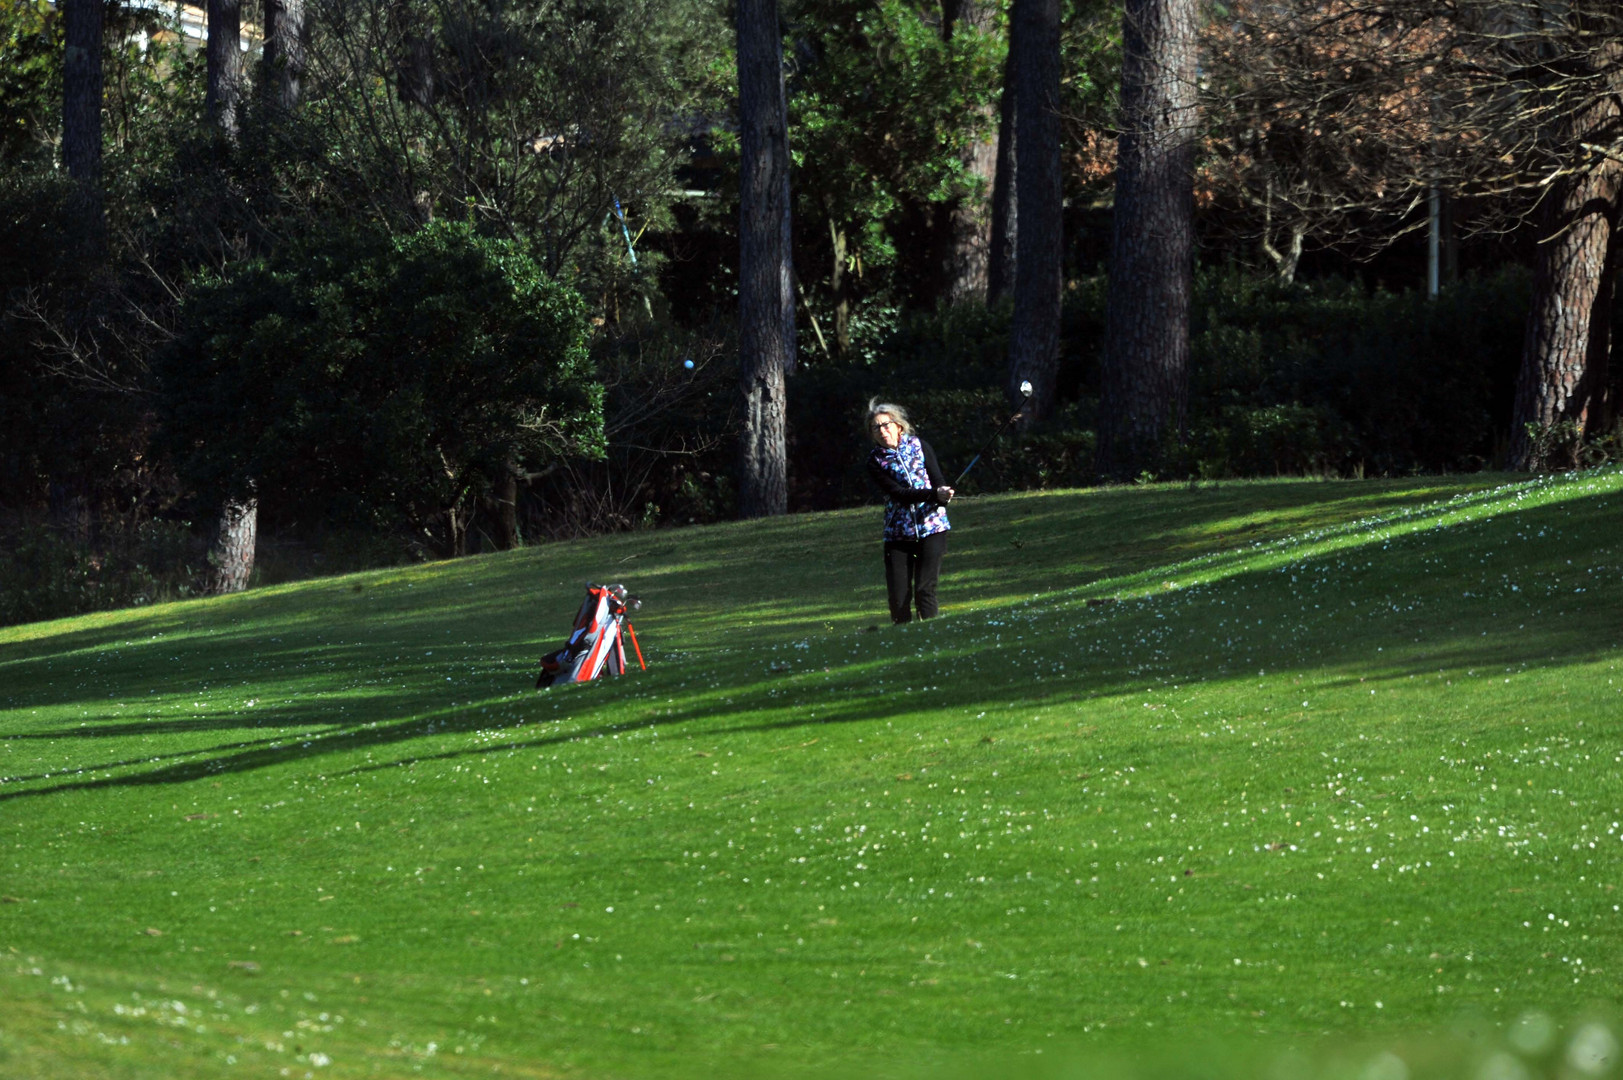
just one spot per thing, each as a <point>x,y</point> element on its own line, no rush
<point>356,377</point>
<point>946,368</point>
<point>1327,377</point>
<point>1370,380</point>
<point>669,431</point>
<point>48,572</point>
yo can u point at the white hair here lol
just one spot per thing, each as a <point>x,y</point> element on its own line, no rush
<point>895,412</point>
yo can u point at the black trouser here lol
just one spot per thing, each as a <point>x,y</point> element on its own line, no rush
<point>911,570</point>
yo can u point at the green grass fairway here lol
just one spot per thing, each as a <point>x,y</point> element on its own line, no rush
<point>1302,759</point>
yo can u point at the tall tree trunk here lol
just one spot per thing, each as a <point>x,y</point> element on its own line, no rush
<point>1602,407</point>
<point>231,556</point>
<point>81,112</point>
<point>1005,218</point>
<point>1034,338</point>
<point>507,535</point>
<point>456,530</point>
<point>223,54</point>
<point>839,286</point>
<point>966,221</point>
<point>766,331</point>
<point>1153,242</point>
<point>1563,375</point>
<point>282,70</point>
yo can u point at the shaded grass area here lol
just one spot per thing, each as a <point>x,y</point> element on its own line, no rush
<point>1293,758</point>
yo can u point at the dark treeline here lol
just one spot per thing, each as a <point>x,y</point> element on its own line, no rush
<point>335,283</point>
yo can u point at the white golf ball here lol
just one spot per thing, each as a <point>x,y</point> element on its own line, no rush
<point>1025,388</point>
<point>688,364</point>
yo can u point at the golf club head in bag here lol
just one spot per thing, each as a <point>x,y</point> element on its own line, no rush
<point>596,643</point>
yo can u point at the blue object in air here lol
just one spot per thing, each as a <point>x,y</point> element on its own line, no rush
<point>621,214</point>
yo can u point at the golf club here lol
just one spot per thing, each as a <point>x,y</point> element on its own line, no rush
<point>1025,396</point>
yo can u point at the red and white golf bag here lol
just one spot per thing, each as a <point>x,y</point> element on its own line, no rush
<point>596,644</point>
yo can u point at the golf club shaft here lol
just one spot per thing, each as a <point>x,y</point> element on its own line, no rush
<point>992,440</point>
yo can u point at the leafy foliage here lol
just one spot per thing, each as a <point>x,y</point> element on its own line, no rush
<point>1286,379</point>
<point>30,79</point>
<point>882,105</point>
<point>531,118</point>
<point>1336,378</point>
<point>670,416</point>
<point>397,379</point>
<point>49,572</point>
<point>880,115</point>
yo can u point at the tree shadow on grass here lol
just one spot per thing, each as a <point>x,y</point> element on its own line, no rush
<point>1386,601</point>
<point>800,560</point>
<point>106,766</point>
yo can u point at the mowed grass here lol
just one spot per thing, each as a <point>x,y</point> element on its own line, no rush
<point>1293,758</point>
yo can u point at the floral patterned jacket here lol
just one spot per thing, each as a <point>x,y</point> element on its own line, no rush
<point>909,475</point>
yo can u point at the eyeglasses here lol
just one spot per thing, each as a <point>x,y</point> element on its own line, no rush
<point>883,424</point>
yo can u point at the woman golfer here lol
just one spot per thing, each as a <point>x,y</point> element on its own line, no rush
<point>916,497</point>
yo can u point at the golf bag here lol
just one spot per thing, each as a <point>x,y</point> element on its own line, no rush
<point>596,644</point>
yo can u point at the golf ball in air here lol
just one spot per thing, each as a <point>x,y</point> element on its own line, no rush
<point>1025,388</point>
<point>688,364</point>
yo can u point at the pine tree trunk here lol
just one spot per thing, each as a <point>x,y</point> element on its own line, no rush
<point>1034,337</point>
<point>1563,376</point>
<point>223,54</point>
<point>282,71</point>
<point>1005,217</point>
<point>81,112</point>
<point>766,332</point>
<point>231,556</point>
<point>1152,244</point>
<point>1601,414</point>
<point>967,221</point>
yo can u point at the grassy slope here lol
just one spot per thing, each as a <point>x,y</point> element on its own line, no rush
<point>1341,758</point>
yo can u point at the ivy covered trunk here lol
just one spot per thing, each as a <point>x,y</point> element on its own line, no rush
<point>231,556</point>
<point>1561,389</point>
<point>1152,251</point>
<point>969,228</point>
<point>1034,337</point>
<point>766,331</point>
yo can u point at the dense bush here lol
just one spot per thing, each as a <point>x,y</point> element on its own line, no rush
<point>49,570</point>
<point>947,369</point>
<point>1322,378</point>
<point>1333,377</point>
<point>670,420</point>
<point>358,377</point>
